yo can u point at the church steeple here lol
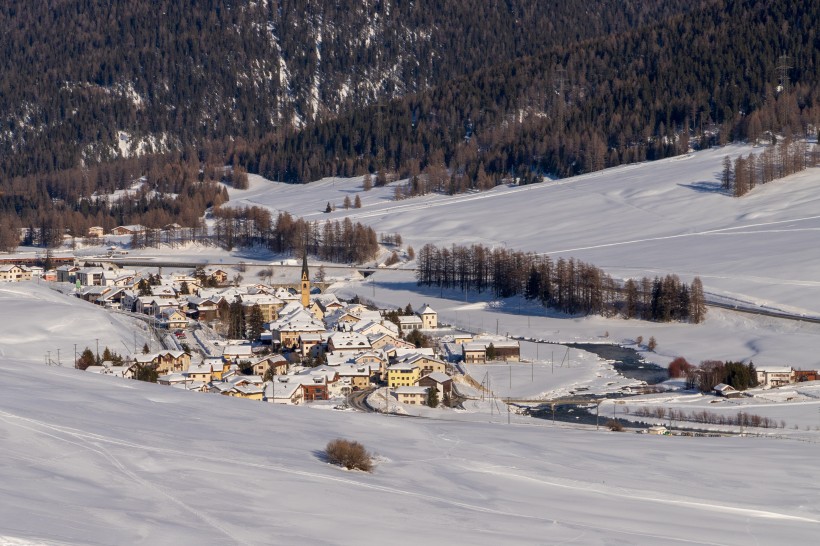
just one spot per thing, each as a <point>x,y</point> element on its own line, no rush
<point>305,281</point>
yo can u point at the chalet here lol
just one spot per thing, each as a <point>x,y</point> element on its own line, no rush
<point>96,231</point>
<point>93,294</point>
<point>276,363</point>
<point>347,342</point>
<point>202,372</point>
<point>324,304</point>
<point>112,298</point>
<point>268,305</point>
<point>246,386</point>
<point>14,273</point>
<point>217,276</point>
<point>340,320</point>
<point>125,371</point>
<point>727,391</point>
<point>381,341</point>
<point>172,361</point>
<point>774,376</point>
<point>235,353</point>
<point>153,305</point>
<point>312,345</point>
<point>172,378</point>
<point>370,328</point>
<point>172,319</point>
<point>414,396</point>
<point>426,363</point>
<point>476,351</point>
<point>128,230</point>
<point>292,323</point>
<point>357,376</point>
<point>439,381</point>
<point>206,309</point>
<point>283,391</point>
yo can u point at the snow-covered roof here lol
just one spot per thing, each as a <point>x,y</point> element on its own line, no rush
<point>438,377</point>
<point>411,390</point>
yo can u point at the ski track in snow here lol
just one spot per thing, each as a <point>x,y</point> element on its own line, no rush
<point>92,442</point>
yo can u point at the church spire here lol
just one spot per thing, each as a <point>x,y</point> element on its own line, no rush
<point>305,286</point>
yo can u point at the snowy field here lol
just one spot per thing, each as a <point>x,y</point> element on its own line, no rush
<point>634,220</point>
<point>96,460</point>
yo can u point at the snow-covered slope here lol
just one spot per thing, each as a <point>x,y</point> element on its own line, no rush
<point>634,220</point>
<point>96,460</point>
<point>39,323</point>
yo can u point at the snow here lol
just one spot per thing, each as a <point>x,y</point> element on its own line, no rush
<point>38,322</point>
<point>93,459</point>
<point>94,463</point>
<point>650,219</point>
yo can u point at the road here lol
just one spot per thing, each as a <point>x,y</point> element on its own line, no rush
<point>358,400</point>
<point>762,312</point>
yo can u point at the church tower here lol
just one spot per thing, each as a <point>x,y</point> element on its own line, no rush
<point>305,282</point>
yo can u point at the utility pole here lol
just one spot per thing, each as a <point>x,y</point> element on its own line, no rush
<point>58,357</point>
<point>597,408</point>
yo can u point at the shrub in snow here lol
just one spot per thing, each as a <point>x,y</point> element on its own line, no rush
<point>349,454</point>
<point>614,426</point>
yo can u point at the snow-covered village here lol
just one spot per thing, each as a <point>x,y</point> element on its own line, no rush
<point>344,272</point>
<point>395,363</point>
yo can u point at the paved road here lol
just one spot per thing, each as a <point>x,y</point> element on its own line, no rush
<point>762,312</point>
<point>358,400</point>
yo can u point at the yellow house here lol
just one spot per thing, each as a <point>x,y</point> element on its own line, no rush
<point>15,273</point>
<point>201,372</point>
<point>428,364</point>
<point>173,319</point>
<point>403,375</point>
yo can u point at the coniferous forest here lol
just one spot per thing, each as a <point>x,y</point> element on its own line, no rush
<point>95,95</point>
<point>566,285</point>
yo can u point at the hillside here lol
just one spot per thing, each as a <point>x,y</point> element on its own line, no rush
<point>96,460</point>
<point>692,80</point>
<point>661,217</point>
<point>93,80</point>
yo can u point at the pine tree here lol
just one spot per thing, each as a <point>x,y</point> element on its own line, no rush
<point>346,202</point>
<point>697,302</point>
<point>432,397</point>
<point>255,323</point>
<point>367,182</point>
<point>236,321</point>
<point>726,176</point>
<point>146,349</point>
<point>86,359</point>
<point>357,202</point>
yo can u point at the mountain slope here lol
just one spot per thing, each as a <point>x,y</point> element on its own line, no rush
<point>91,80</point>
